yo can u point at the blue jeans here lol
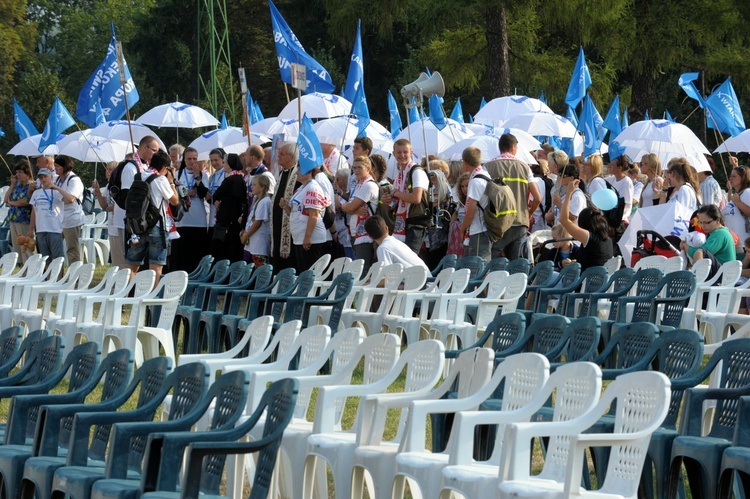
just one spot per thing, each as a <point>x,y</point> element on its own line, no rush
<point>154,243</point>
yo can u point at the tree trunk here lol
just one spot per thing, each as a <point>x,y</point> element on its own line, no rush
<point>496,33</point>
<point>643,96</point>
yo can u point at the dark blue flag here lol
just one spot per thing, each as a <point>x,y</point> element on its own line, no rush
<point>289,50</point>
<point>104,87</point>
<point>23,125</point>
<point>580,81</point>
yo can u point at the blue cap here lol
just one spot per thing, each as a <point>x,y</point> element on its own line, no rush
<point>44,171</point>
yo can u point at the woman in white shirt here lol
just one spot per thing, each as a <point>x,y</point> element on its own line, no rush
<point>737,211</point>
<point>622,183</point>
<point>591,173</point>
<point>684,180</point>
<point>578,200</point>
<point>363,201</point>
<point>651,193</point>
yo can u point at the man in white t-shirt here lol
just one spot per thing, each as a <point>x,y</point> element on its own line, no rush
<point>410,185</point>
<point>390,250</point>
<point>476,200</point>
<point>73,216</point>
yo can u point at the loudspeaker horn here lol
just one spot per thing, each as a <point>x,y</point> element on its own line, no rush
<point>424,87</point>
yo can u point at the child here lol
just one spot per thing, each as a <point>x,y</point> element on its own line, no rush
<point>562,253</point>
<point>47,215</point>
<point>257,234</point>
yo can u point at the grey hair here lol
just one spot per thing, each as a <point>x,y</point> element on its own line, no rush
<point>177,147</point>
<point>291,148</point>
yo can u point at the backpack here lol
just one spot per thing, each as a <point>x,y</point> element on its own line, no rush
<point>614,216</point>
<point>420,214</point>
<point>548,185</point>
<point>140,213</point>
<point>383,210</point>
<point>501,210</point>
<point>329,216</point>
<point>87,199</point>
<point>115,183</point>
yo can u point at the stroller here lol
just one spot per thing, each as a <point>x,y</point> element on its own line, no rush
<point>649,243</point>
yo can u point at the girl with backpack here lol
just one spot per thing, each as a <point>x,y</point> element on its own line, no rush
<point>362,204</point>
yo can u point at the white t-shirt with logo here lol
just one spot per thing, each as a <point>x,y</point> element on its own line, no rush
<point>48,210</point>
<point>197,215</point>
<point>310,196</point>
<point>368,193</point>
<point>73,215</point>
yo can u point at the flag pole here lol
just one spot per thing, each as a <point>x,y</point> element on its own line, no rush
<point>723,142</point>
<point>245,110</point>
<point>689,115</point>
<point>6,165</point>
<point>123,81</point>
<point>286,90</point>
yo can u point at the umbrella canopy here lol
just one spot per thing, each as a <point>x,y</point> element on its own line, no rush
<point>30,147</point>
<point>543,124</point>
<point>331,131</point>
<point>666,219</point>
<point>272,126</point>
<point>653,135</point>
<point>738,143</point>
<point>488,145</point>
<point>665,153</point>
<point>230,139</point>
<point>499,110</point>
<point>437,140</point>
<point>89,148</point>
<point>120,130</point>
<point>526,141</point>
<point>178,115</point>
<point>317,105</point>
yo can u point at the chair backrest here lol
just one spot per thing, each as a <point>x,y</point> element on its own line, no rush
<point>43,360</point>
<point>262,276</point>
<point>23,351</point>
<point>679,287</point>
<point>674,264</point>
<point>647,281</point>
<point>546,334</point>
<point>594,279</point>
<point>475,264</point>
<point>583,338</point>
<point>219,271</point>
<point>629,344</point>
<point>619,281</point>
<point>355,268</point>
<point>203,268</point>
<point>10,340</point>
<point>442,282</point>
<point>173,286</point>
<point>519,266</point>
<point>541,273</point>
<point>320,265</point>
<point>447,262</point>
<point>515,289</point>
<point>651,262</point>
<point>8,263</point>
<point>413,278</point>
<point>301,286</point>
<point>613,264</point>
<point>642,404</point>
<point>506,329</point>
<point>701,269</point>
<point>307,347</point>
<point>284,338</point>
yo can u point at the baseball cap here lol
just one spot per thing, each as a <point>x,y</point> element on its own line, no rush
<point>44,171</point>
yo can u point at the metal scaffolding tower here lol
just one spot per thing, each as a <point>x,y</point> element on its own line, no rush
<point>215,80</point>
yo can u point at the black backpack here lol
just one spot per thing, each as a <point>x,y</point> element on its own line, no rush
<point>383,209</point>
<point>140,213</point>
<point>614,216</point>
<point>420,214</point>
<point>115,183</point>
<point>548,185</point>
<point>87,199</point>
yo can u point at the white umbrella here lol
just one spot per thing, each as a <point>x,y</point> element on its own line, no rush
<point>738,143</point>
<point>317,105</point>
<point>652,134</point>
<point>526,141</point>
<point>89,148</point>
<point>229,139</point>
<point>331,131</point>
<point>543,124</point>
<point>696,159</point>
<point>121,131</point>
<point>499,110</point>
<point>437,140</point>
<point>290,129</point>
<point>670,219</point>
<point>30,147</point>
<point>263,125</point>
<point>487,144</point>
<point>178,115</point>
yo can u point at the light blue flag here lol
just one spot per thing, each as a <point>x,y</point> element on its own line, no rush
<point>356,75</point>
<point>458,112</point>
<point>612,120</point>
<point>396,123</point>
<point>100,118</point>
<point>668,116</point>
<point>437,116</point>
<point>724,113</point>
<point>590,122</point>
<point>471,119</point>
<point>59,120</point>
<point>542,98</point>
<point>645,116</point>
<point>686,82</point>
<point>2,133</point>
<point>580,81</point>
<point>571,115</point>
<point>289,50</point>
<point>24,126</point>
<point>482,103</point>
<point>625,119</point>
<point>310,152</point>
<point>104,87</point>
<point>257,113</point>
<point>360,110</point>
<point>223,124</point>
<point>413,115</point>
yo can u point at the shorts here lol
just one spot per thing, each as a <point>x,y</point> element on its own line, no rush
<point>50,244</point>
<point>155,243</point>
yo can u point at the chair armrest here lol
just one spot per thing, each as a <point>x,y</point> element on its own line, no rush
<point>692,408</point>
<point>21,406</point>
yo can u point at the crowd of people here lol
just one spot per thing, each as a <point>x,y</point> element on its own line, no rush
<point>259,206</point>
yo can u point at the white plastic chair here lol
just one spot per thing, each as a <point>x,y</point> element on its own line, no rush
<point>642,404</point>
<point>613,264</point>
<point>652,262</point>
<point>166,295</point>
<point>8,263</point>
<point>575,388</point>
<point>374,459</point>
<point>77,278</point>
<point>674,264</point>
<point>88,245</point>
<point>324,277</point>
<point>354,267</point>
<point>16,291</point>
<point>523,375</point>
<point>728,274</point>
<point>363,293</point>
<point>89,324</point>
<point>423,362</point>
<point>441,284</point>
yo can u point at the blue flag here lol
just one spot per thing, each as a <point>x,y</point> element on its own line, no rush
<point>571,115</point>
<point>437,116</point>
<point>24,127</point>
<point>458,112</point>
<point>580,81</point>
<point>257,113</point>
<point>625,120</point>
<point>482,103</point>
<point>668,116</point>
<point>99,113</point>
<point>723,110</point>
<point>223,124</point>
<point>542,98</point>
<point>471,119</point>
<point>2,133</point>
<point>590,122</point>
<point>612,120</point>
<point>686,82</point>
<point>413,115</point>
<point>104,87</point>
<point>253,110</point>
<point>59,120</point>
<point>645,116</point>
<point>289,50</point>
<point>360,110</point>
<point>356,75</point>
<point>396,124</point>
<point>310,152</point>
